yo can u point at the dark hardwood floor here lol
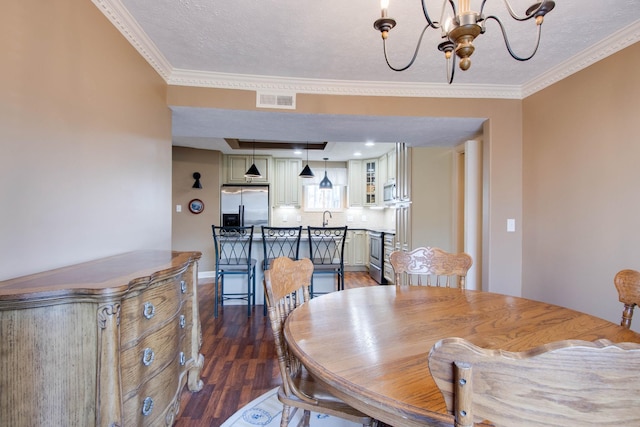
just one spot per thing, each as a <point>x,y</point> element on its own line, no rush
<point>239,359</point>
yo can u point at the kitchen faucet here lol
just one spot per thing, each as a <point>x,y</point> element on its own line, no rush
<point>324,221</point>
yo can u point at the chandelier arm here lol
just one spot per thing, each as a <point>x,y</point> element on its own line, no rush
<point>515,16</point>
<point>415,53</point>
<point>482,7</point>
<point>453,6</point>
<point>426,15</point>
<point>506,40</point>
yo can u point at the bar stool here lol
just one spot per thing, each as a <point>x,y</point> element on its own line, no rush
<point>279,242</point>
<point>326,251</point>
<point>233,257</point>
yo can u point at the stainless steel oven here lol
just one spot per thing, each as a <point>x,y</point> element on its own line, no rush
<point>376,256</point>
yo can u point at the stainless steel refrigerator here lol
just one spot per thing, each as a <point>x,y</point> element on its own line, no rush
<point>244,205</point>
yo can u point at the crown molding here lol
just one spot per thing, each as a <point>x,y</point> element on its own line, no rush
<point>129,27</point>
<point>619,40</point>
<point>131,30</point>
<point>339,87</point>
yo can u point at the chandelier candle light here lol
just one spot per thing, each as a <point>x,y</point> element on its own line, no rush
<point>459,27</point>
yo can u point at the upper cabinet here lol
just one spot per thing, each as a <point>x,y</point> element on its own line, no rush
<point>236,166</point>
<point>287,182</point>
<point>356,184</point>
<point>371,182</point>
<point>391,165</point>
<point>364,186</point>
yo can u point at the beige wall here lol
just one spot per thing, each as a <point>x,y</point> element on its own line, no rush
<point>581,176</point>
<point>432,193</point>
<point>190,231</point>
<point>85,157</point>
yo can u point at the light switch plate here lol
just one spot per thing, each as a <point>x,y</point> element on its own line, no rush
<point>178,208</point>
<point>511,225</point>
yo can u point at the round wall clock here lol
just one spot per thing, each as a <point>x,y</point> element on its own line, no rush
<point>196,206</point>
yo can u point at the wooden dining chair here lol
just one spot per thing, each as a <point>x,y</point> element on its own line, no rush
<point>286,285</point>
<point>430,267</point>
<point>564,383</point>
<point>628,285</point>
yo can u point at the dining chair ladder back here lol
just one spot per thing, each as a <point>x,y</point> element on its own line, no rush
<point>563,383</point>
<point>287,286</point>
<point>429,266</point>
<point>628,285</point>
<point>233,258</point>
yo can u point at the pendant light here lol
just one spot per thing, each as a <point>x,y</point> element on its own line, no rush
<point>306,171</point>
<point>325,184</point>
<point>253,171</point>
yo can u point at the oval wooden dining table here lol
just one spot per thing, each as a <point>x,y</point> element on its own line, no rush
<point>370,345</point>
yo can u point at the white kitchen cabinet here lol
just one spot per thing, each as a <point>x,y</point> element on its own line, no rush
<point>356,250</point>
<point>391,165</point>
<point>371,182</point>
<point>287,185</point>
<point>236,166</point>
<point>356,184</point>
<point>383,175</point>
<point>389,247</point>
<point>364,188</point>
<point>359,242</point>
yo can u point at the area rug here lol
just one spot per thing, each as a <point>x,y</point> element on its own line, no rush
<point>267,409</point>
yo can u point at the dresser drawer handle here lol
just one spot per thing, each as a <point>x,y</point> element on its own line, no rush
<point>183,321</point>
<point>147,406</point>
<point>149,310</point>
<point>183,359</point>
<point>148,356</point>
<point>183,286</point>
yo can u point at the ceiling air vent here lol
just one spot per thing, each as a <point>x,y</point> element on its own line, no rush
<point>276,100</point>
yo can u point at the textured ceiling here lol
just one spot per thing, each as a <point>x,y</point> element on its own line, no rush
<point>333,42</point>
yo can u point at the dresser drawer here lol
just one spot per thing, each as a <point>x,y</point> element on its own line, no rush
<point>154,398</point>
<point>151,308</point>
<point>150,355</point>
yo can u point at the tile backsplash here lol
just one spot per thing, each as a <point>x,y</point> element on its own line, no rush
<point>379,219</point>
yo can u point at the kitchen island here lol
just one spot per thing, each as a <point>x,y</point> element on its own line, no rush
<point>356,258</point>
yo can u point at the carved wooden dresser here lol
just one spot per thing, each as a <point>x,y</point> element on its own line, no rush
<point>110,342</point>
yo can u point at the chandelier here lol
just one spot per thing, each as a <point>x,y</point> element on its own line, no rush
<point>459,27</point>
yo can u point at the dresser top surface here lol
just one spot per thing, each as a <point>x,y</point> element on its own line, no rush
<point>105,276</point>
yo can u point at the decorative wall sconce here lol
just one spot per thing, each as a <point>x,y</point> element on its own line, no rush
<point>196,176</point>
